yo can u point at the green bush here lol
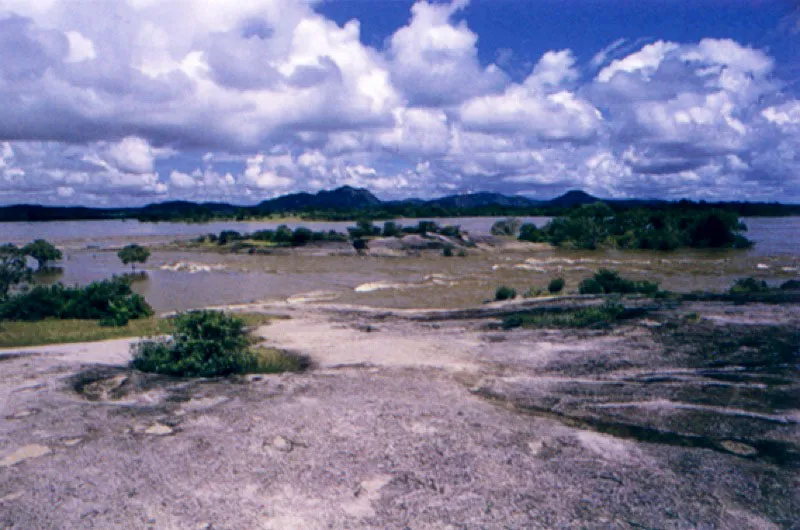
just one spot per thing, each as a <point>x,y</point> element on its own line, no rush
<point>204,343</point>
<point>593,225</point>
<point>133,254</point>
<point>749,285</point>
<point>42,251</point>
<point>447,251</point>
<point>505,293</point>
<point>112,302</point>
<point>609,281</point>
<point>790,285</point>
<point>208,344</point>
<point>588,317</point>
<point>13,269</point>
<point>590,286</point>
<point>529,232</point>
<point>556,285</point>
<point>391,229</point>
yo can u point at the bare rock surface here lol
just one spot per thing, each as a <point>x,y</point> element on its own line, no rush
<point>420,424</point>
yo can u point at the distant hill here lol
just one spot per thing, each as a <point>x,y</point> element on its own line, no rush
<point>345,197</point>
<point>348,202</point>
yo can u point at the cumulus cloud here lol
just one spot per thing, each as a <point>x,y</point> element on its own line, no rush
<point>242,101</point>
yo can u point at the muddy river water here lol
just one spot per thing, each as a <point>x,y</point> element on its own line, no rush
<point>185,279</point>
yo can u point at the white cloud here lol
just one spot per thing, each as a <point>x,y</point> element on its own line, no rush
<point>241,101</point>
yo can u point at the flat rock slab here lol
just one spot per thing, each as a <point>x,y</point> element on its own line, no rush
<point>24,453</point>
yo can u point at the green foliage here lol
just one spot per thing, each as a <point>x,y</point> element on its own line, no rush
<point>228,236</point>
<point>590,286</point>
<point>505,293</point>
<point>208,344</point>
<point>506,227</point>
<point>364,228</point>
<point>529,232</point>
<point>391,229</point>
<point>283,234</point>
<point>749,285</point>
<point>133,254</point>
<point>112,302</point>
<point>588,317</point>
<point>447,251</point>
<point>593,225</point>
<point>790,285</point>
<point>13,269</point>
<point>42,251</point>
<point>556,285</point>
<point>607,281</point>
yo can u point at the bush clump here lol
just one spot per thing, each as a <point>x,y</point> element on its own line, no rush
<point>208,344</point>
<point>594,225</point>
<point>588,317</point>
<point>556,285</point>
<point>607,281</point>
<point>790,285</point>
<point>749,285</point>
<point>112,302</point>
<point>505,293</point>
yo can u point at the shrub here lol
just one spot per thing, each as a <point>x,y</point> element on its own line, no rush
<point>556,285</point>
<point>364,228</point>
<point>425,227</point>
<point>13,268</point>
<point>301,236</point>
<point>505,293</point>
<point>529,232</point>
<point>42,251</point>
<point>790,285</point>
<point>605,315</point>
<point>506,227</point>
<point>208,344</point>
<point>110,301</point>
<point>532,292</point>
<point>391,229</point>
<point>283,234</point>
<point>447,251</point>
<point>749,285</point>
<point>609,281</point>
<point>228,236</point>
<point>590,286</point>
<point>133,254</point>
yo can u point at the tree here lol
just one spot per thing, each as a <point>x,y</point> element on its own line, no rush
<point>13,268</point>
<point>133,254</point>
<point>42,251</point>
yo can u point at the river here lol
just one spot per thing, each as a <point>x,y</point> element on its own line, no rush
<point>177,280</point>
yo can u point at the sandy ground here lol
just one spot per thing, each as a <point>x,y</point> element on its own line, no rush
<point>413,420</point>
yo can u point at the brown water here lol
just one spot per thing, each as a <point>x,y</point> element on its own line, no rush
<point>186,279</point>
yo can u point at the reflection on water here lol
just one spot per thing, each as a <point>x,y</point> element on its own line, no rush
<point>180,280</point>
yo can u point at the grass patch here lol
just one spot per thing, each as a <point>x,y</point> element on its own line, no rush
<point>274,361</point>
<point>586,317</point>
<point>14,334</point>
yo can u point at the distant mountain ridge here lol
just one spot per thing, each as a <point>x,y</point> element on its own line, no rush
<point>348,201</point>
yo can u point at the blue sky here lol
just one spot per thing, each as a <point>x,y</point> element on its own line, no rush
<point>141,101</point>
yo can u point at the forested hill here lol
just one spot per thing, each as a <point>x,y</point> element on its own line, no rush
<point>348,203</point>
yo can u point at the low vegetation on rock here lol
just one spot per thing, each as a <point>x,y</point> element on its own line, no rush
<point>607,281</point>
<point>209,344</point>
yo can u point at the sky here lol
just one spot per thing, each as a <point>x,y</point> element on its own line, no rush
<point>129,102</point>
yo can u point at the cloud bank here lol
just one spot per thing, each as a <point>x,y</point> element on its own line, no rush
<point>137,101</point>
